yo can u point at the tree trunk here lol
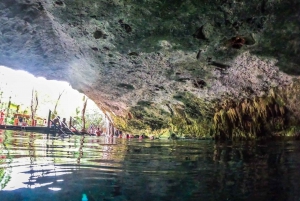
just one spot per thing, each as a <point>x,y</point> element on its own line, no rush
<point>83,113</point>
<point>34,105</point>
<point>54,113</point>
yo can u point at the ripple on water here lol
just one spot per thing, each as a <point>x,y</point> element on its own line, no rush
<point>44,167</point>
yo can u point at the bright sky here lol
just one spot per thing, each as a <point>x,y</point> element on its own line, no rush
<point>19,84</point>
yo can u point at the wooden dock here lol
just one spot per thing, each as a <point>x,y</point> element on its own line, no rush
<point>40,129</point>
<point>46,129</point>
<point>27,128</point>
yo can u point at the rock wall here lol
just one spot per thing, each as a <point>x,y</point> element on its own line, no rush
<point>131,56</point>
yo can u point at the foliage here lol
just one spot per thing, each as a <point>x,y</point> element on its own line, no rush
<point>250,118</point>
<point>92,118</point>
<point>54,113</point>
<point>193,118</point>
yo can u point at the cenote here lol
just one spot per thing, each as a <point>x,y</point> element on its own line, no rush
<point>35,166</point>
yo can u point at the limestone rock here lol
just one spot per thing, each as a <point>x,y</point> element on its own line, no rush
<point>121,52</point>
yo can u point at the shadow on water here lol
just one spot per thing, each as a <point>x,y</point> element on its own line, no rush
<point>45,167</point>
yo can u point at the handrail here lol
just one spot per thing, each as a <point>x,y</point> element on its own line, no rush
<point>67,127</point>
<point>57,127</point>
<point>75,129</point>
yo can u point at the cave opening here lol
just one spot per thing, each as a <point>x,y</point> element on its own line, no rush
<point>22,92</point>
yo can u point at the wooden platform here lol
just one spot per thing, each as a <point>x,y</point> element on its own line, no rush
<point>27,128</point>
<point>39,129</point>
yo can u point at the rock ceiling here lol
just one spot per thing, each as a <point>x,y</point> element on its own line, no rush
<point>124,52</point>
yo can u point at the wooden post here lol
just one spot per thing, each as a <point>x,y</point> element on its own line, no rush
<point>109,129</point>
<point>8,109</point>
<point>70,122</point>
<point>112,130</point>
<point>49,118</point>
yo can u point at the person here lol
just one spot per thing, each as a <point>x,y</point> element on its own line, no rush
<point>16,121</point>
<point>116,133</point>
<point>45,122</point>
<point>20,121</point>
<point>56,122</point>
<point>91,130</point>
<point>98,132</point>
<point>24,123</point>
<point>2,117</point>
<point>64,124</point>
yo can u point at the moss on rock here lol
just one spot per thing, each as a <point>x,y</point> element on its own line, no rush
<point>249,118</point>
<point>191,118</point>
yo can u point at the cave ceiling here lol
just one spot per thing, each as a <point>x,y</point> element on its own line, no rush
<point>122,52</point>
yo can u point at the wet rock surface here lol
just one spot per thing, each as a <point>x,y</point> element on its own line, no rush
<point>122,52</point>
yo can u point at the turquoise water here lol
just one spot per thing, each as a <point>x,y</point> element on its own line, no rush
<point>44,167</point>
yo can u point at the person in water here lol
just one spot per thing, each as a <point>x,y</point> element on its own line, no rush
<point>98,131</point>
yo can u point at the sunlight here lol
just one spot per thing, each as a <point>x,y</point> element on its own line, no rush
<point>17,86</point>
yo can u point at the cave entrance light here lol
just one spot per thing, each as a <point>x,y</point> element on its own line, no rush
<point>17,86</point>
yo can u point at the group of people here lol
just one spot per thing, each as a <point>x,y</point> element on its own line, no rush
<point>120,134</point>
<point>93,130</point>
<point>20,121</point>
<point>61,125</point>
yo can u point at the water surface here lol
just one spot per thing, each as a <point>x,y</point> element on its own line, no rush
<point>36,166</point>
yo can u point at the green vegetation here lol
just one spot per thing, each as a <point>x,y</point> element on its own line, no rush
<point>275,114</point>
<point>92,118</point>
<point>191,119</point>
<point>142,118</point>
<point>92,115</point>
<point>250,118</point>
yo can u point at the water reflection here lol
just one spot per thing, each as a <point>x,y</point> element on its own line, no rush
<point>45,167</point>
